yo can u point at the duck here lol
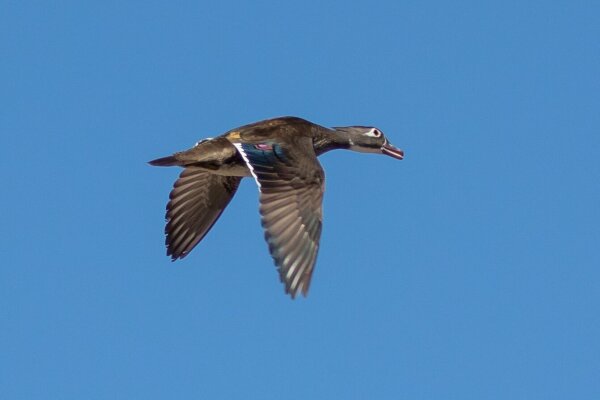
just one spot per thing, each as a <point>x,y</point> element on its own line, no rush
<point>281,155</point>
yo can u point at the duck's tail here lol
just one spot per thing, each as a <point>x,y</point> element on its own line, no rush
<point>169,161</point>
<point>181,158</point>
<point>204,151</point>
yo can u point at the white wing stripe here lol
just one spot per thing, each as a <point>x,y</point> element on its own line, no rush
<point>240,149</point>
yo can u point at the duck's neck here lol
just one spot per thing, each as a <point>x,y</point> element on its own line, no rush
<point>329,139</point>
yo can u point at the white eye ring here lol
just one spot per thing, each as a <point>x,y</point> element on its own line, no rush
<point>374,132</point>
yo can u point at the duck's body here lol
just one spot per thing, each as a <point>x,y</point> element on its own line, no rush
<point>281,154</point>
<point>220,156</point>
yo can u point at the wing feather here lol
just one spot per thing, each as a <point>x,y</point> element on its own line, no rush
<point>291,185</point>
<point>196,202</point>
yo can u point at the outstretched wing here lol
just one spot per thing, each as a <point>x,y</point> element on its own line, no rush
<point>291,185</point>
<point>197,200</point>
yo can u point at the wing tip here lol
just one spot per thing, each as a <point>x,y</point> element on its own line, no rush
<point>294,293</point>
<point>300,288</point>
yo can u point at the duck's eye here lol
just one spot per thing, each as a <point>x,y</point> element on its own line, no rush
<point>376,132</point>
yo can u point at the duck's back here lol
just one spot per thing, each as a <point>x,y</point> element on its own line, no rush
<point>276,129</point>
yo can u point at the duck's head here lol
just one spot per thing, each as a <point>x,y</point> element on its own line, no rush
<point>368,139</point>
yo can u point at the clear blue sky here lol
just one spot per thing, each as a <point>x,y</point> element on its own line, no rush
<point>470,270</point>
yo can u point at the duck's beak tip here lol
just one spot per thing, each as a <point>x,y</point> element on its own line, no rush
<point>390,150</point>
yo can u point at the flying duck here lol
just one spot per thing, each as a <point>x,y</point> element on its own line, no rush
<point>281,154</point>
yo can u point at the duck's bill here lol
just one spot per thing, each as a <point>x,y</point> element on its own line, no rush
<point>392,151</point>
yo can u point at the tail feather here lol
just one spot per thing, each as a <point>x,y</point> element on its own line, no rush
<point>165,162</point>
<point>204,151</point>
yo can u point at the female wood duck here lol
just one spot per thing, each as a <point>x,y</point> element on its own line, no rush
<point>281,155</point>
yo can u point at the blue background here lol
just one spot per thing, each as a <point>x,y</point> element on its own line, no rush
<point>470,270</point>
